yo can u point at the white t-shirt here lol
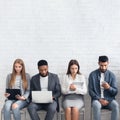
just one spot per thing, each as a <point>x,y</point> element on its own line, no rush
<point>102,79</point>
<point>44,83</point>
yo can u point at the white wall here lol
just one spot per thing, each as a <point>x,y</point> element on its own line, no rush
<point>58,30</point>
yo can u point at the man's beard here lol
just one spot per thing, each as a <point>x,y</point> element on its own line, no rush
<point>103,71</point>
<point>44,75</point>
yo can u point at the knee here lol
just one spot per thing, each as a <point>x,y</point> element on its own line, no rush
<point>114,105</point>
<point>75,109</point>
<point>14,106</point>
<point>96,105</point>
<point>68,109</point>
<point>31,107</point>
<point>52,109</point>
<point>7,106</point>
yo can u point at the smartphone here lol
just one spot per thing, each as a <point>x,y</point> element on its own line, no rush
<point>104,82</point>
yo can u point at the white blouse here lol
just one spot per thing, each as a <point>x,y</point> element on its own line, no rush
<point>79,81</point>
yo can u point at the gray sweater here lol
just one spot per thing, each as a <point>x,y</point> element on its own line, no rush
<point>25,93</point>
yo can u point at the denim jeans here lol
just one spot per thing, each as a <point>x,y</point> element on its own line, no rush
<point>113,106</point>
<point>49,107</point>
<point>16,112</point>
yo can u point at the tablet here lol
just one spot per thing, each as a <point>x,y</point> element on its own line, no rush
<point>79,84</point>
<point>13,93</point>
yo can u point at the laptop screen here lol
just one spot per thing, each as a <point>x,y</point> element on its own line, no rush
<point>42,97</point>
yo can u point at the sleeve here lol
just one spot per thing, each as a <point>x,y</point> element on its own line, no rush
<point>57,91</point>
<point>8,80</point>
<point>82,89</point>
<point>31,88</point>
<point>91,88</point>
<point>65,85</point>
<point>113,86</point>
<point>27,91</point>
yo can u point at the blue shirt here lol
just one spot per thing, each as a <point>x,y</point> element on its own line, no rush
<point>94,85</point>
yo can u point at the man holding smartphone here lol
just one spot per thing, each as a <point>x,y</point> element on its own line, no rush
<point>103,89</point>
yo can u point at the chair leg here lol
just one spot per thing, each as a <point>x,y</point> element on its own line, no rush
<point>84,115</point>
<point>91,114</point>
<point>1,114</point>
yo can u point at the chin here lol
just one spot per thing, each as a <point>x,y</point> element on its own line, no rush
<point>103,71</point>
<point>44,75</point>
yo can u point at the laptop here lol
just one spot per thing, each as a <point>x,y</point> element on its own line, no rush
<point>13,93</point>
<point>42,97</point>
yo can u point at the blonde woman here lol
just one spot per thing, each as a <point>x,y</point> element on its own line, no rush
<point>18,79</point>
<point>73,88</point>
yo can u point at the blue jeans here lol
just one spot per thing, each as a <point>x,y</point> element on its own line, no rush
<point>16,112</point>
<point>49,107</point>
<point>113,106</point>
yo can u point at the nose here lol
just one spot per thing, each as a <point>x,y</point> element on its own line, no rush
<point>44,72</point>
<point>103,67</point>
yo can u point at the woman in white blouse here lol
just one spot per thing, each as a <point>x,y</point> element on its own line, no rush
<point>73,88</point>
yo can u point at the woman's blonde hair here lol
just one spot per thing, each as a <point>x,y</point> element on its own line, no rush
<point>23,74</point>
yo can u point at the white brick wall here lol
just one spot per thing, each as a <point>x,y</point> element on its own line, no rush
<point>58,30</point>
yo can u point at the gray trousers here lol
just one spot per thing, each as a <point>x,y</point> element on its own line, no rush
<point>49,107</point>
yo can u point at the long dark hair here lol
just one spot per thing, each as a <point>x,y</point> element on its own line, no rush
<point>73,62</point>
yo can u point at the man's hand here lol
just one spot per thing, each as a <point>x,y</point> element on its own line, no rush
<point>106,85</point>
<point>103,102</point>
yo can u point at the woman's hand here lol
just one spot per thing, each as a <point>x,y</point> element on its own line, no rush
<point>20,97</point>
<point>72,87</point>
<point>6,95</point>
